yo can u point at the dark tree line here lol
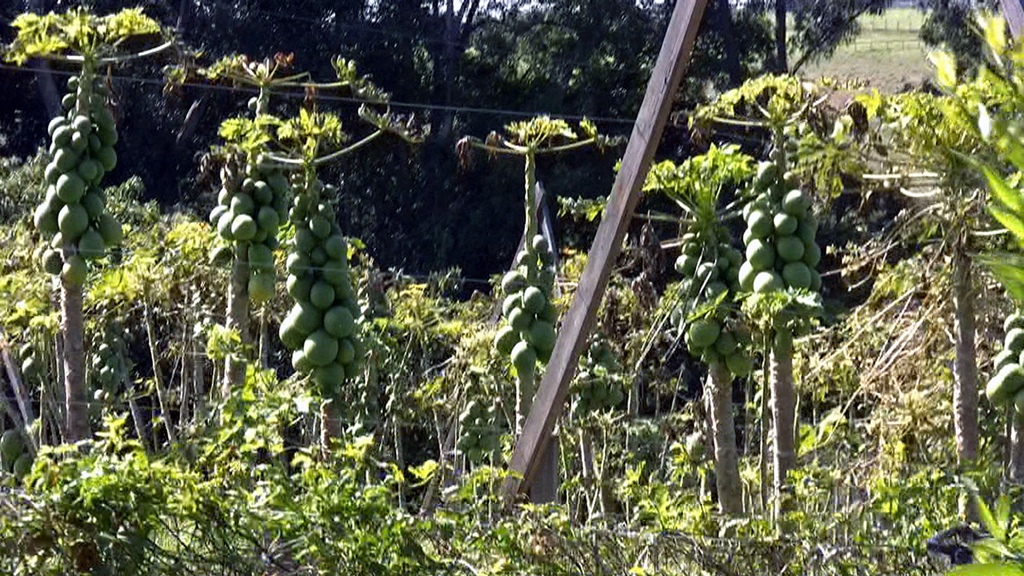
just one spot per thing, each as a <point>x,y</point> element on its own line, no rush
<point>417,208</point>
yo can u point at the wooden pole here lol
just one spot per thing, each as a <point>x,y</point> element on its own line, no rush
<point>1013,11</point>
<point>582,314</point>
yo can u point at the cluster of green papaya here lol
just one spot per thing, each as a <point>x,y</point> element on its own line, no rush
<point>596,387</point>
<point>251,205</point>
<point>781,250</point>
<point>73,214</point>
<point>1007,385</point>
<point>322,326</point>
<point>33,364</point>
<point>480,435</point>
<point>716,340</point>
<point>529,335</point>
<point>709,265</point>
<point>14,459</point>
<point>107,367</point>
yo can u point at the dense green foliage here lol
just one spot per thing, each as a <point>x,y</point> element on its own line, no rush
<point>421,383</point>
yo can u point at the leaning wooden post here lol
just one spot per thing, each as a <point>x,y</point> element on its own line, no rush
<point>1013,11</point>
<point>582,314</point>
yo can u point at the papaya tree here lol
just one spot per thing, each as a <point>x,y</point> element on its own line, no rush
<point>323,327</point>
<point>927,142</point>
<point>706,312</point>
<point>255,193</point>
<point>779,274</point>
<point>72,220</point>
<point>991,104</point>
<point>528,336</point>
<point>253,198</point>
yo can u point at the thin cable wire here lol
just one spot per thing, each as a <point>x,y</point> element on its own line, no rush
<point>344,99</point>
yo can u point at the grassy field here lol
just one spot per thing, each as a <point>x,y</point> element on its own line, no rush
<point>887,55</point>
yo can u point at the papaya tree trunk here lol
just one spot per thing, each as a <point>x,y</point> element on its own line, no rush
<point>965,369</point>
<point>237,318</point>
<point>1016,468</point>
<point>330,425</point>
<point>76,399</point>
<point>723,434</point>
<point>965,373</point>
<point>783,419</point>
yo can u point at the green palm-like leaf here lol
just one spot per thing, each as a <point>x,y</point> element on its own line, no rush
<point>696,184</point>
<point>77,32</point>
<point>1008,268</point>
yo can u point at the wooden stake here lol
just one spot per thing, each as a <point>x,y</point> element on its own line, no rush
<point>1014,14</point>
<point>582,314</point>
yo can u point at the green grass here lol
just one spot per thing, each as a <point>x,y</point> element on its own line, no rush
<point>887,55</point>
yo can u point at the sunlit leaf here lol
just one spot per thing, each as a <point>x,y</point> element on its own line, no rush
<point>996,529</point>
<point>945,68</point>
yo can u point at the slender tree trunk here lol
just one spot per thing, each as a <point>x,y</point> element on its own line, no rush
<point>52,395</point>
<point>199,379</point>
<point>158,379</point>
<point>1016,469</point>
<point>441,480</point>
<point>783,403</point>
<point>723,434</point>
<point>133,407</point>
<point>965,370</point>
<point>763,441</point>
<point>591,491</point>
<point>723,16</point>
<point>781,57</point>
<point>330,425</point>
<point>237,319</point>
<point>76,399</point>
<point>26,414</point>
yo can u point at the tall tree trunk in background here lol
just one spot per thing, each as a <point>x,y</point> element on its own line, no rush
<point>47,86</point>
<point>723,20</point>
<point>783,422</point>
<point>781,58</point>
<point>1016,468</point>
<point>330,425</point>
<point>723,434</point>
<point>965,369</point>
<point>76,399</point>
<point>237,318</point>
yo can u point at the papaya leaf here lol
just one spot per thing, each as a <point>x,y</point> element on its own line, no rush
<point>1010,220</point>
<point>995,34</point>
<point>1006,195</point>
<point>1002,511</point>
<point>1008,269</point>
<point>945,69</point>
<point>996,529</point>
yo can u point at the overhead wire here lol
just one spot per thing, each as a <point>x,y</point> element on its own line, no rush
<point>344,99</point>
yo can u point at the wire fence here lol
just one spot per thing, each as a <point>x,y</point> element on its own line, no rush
<point>886,45</point>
